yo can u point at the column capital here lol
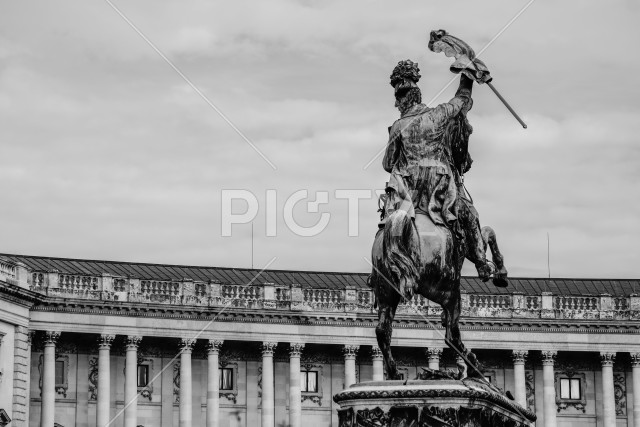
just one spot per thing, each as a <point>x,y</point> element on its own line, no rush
<point>186,345</point>
<point>519,356</point>
<point>51,337</point>
<point>214,346</point>
<point>549,357</point>
<point>434,354</point>
<point>295,349</point>
<point>30,336</point>
<point>635,359</point>
<point>607,358</point>
<point>350,351</point>
<point>105,341</point>
<point>376,353</point>
<point>268,348</point>
<point>133,341</point>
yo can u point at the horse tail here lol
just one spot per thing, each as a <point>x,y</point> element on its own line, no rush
<point>401,252</point>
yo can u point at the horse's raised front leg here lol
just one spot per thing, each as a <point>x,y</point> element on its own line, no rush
<point>386,313</point>
<point>500,275</point>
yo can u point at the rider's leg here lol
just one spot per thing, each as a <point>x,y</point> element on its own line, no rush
<point>470,222</point>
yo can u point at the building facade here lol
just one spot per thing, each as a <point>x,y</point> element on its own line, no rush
<point>97,343</point>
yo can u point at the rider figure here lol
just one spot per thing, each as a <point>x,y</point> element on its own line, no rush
<point>426,161</point>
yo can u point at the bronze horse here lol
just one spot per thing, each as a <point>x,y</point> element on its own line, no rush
<point>415,256</point>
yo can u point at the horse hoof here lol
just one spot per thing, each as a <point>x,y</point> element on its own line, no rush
<point>500,282</point>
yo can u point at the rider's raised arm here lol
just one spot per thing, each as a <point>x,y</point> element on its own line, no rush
<point>462,99</point>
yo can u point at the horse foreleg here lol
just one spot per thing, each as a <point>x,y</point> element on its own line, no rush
<point>451,317</point>
<point>489,238</point>
<point>384,330</point>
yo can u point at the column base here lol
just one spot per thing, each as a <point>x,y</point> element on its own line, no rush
<point>433,403</point>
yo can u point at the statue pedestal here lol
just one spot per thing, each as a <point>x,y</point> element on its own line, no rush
<point>429,403</point>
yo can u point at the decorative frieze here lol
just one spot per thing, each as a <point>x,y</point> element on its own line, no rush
<point>530,390</point>
<point>620,393</point>
<point>93,379</point>
<point>176,382</point>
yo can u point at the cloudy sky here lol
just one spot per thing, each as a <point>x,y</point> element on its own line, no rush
<point>107,153</point>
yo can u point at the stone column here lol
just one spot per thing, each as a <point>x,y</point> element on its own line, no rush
<point>377,359</point>
<point>295,396</point>
<point>48,411</point>
<point>131,381</point>
<point>30,336</point>
<point>186,388</point>
<point>548,388</point>
<point>213,383</point>
<point>350,352</point>
<point>608,395</point>
<point>268,403</point>
<point>434,355</point>
<point>520,384</point>
<point>635,363</point>
<point>104,380</point>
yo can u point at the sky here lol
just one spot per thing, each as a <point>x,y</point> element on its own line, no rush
<point>107,153</point>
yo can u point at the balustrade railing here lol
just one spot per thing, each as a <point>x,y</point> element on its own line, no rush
<point>579,303</point>
<point>620,303</point>
<point>532,302</point>
<point>323,297</point>
<point>271,296</point>
<point>7,270</point>
<point>489,301</point>
<point>77,283</point>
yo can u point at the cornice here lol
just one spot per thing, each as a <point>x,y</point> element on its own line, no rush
<point>18,295</point>
<point>334,319</point>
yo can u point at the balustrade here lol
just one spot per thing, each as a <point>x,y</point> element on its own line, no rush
<point>490,301</point>
<point>7,270</point>
<point>326,298</point>
<point>294,297</point>
<point>620,303</point>
<point>579,303</point>
<point>78,283</point>
<point>532,302</point>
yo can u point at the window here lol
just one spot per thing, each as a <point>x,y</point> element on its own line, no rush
<point>309,381</point>
<point>226,378</point>
<point>570,388</point>
<point>143,375</point>
<point>60,377</point>
<point>488,378</point>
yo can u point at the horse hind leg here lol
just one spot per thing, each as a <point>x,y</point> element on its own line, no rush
<point>451,322</point>
<point>384,330</point>
<point>500,275</point>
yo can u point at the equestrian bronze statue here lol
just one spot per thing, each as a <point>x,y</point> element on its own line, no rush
<point>429,225</point>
